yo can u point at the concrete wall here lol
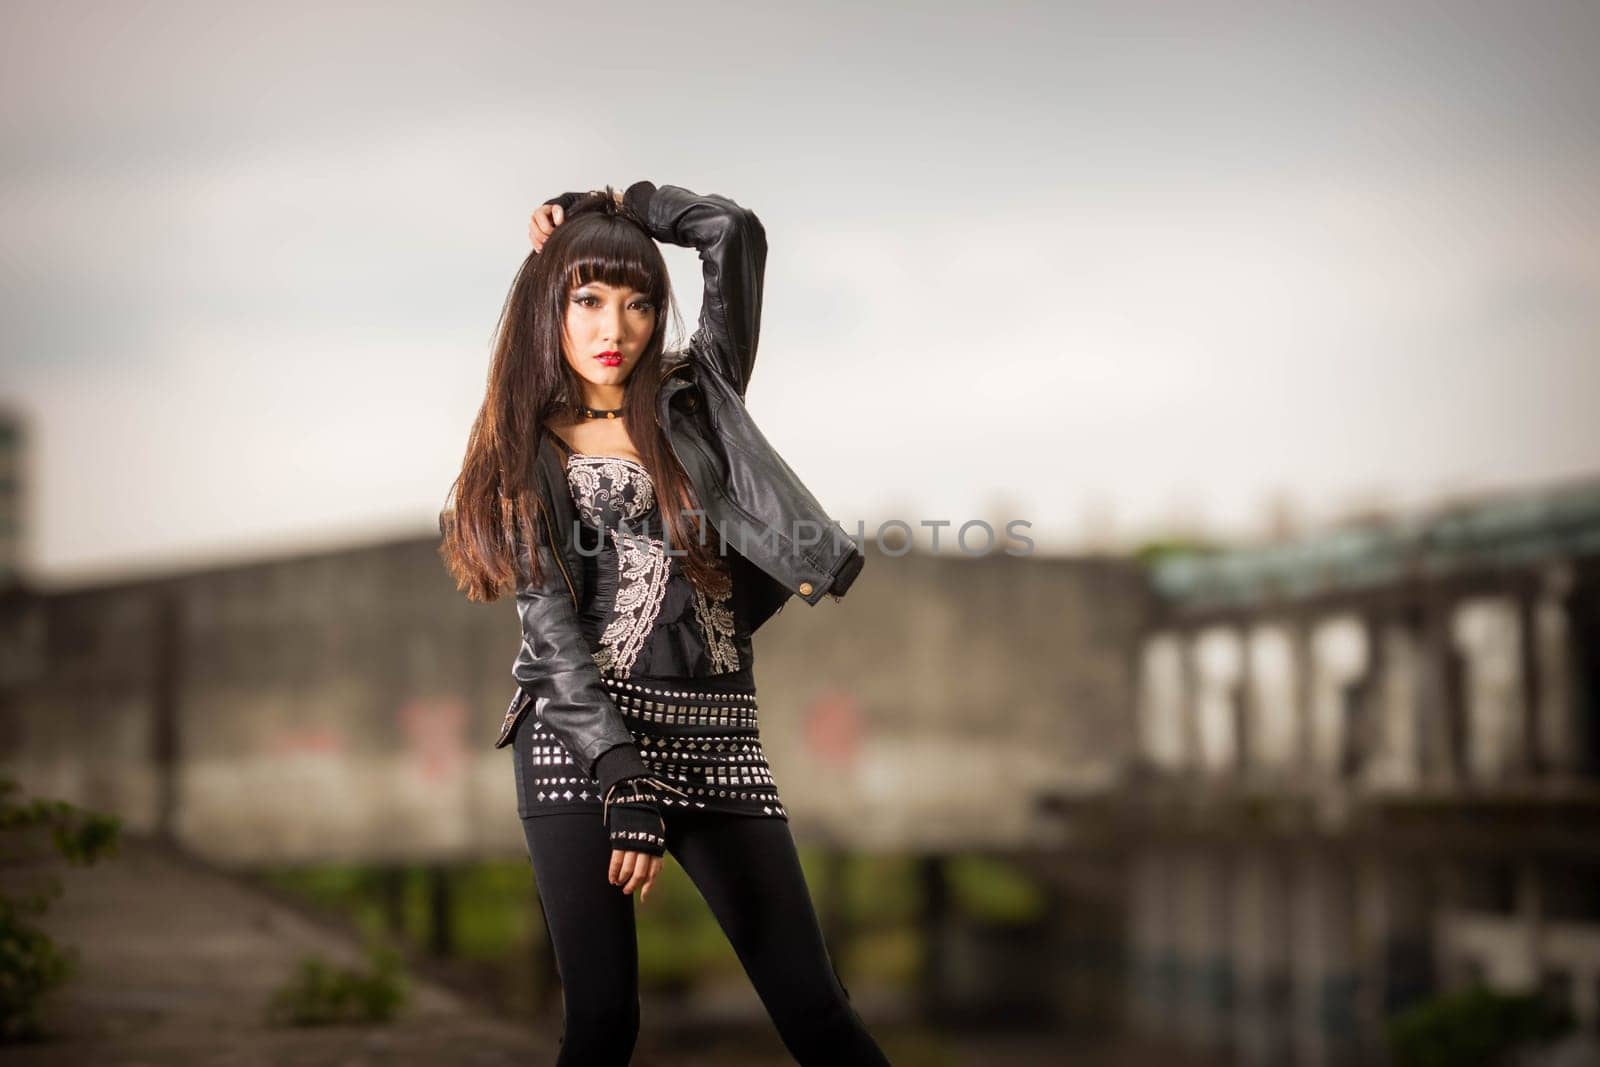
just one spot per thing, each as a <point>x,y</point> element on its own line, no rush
<point>344,704</point>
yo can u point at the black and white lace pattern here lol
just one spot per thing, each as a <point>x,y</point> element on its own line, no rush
<point>642,567</point>
<point>616,496</point>
<point>610,490</point>
<point>716,622</point>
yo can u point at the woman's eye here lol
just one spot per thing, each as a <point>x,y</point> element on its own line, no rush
<point>590,300</point>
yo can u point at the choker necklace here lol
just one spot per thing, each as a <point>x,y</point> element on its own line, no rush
<point>600,413</point>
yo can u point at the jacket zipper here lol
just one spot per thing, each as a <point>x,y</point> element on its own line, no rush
<point>681,370</point>
<point>555,554</point>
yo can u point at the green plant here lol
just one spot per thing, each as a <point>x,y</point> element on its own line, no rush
<point>31,964</point>
<point>321,993</point>
<point>1473,1028</point>
<point>995,891</point>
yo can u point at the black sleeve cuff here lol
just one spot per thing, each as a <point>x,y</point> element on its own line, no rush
<point>637,199</point>
<point>637,827</point>
<point>617,763</point>
<point>566,200</point>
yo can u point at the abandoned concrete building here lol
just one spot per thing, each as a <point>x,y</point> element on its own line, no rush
<point>1368,769</point>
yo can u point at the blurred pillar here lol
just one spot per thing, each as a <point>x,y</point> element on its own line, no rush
<point>1527,608</point>
<point>392,894</point>
<point>441,925</point>
<point>1559,742</point>
<point>1193,762</point>
<point>1363,746</point>
<point>934,889</point>
<point>1395,761</point>
<point>1304,760</point>
<point>1439,694</point>
<point>1583,644</point>
<point>1485,632</point>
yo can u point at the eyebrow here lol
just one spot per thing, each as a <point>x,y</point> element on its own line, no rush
<point>613,288</point>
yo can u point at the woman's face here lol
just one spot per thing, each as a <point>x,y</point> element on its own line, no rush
<point>607,329</point>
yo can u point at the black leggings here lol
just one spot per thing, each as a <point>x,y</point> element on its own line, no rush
<point>747,869</point>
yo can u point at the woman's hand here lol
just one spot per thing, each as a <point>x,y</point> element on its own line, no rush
<point>546,217</point>
<point>634,870</point>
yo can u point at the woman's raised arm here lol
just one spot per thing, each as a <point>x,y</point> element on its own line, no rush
<point>733,256</point>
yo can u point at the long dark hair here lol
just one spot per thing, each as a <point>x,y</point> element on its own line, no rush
<point>492,508</point>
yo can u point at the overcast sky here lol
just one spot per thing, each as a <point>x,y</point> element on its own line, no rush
<point>1103,269</point>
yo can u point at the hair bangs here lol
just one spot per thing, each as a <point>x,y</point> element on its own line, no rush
<point>618,253</point>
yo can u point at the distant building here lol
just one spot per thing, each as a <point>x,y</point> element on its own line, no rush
<point>1368,770</point>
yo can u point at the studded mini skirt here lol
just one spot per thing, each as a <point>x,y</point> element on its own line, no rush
<point>700,735</point>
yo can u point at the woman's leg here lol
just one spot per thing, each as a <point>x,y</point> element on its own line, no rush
<point>591,925</point>
<point>747,869</point>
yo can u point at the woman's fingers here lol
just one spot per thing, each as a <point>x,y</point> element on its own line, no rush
<point>645,870</point>
<point>633,870</point>
<point>620,860</point>
<point>655,869</point>
<point>639,872</point>
<point>548,217</point>
<point>543,222</point>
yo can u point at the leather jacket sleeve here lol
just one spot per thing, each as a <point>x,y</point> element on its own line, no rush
<point>556,669</point>
<point>732,245</point>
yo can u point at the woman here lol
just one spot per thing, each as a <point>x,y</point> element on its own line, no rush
<point>648,530</point>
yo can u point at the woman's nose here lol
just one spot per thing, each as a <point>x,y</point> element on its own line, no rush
<point>614,324</point>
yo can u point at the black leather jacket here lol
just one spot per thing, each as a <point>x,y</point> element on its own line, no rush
<point>780,542</point>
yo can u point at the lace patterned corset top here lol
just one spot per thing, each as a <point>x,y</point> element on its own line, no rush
<point>610,491</point>
<point>642,614</point>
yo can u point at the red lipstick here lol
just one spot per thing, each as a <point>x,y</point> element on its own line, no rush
<point>610,359</point>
